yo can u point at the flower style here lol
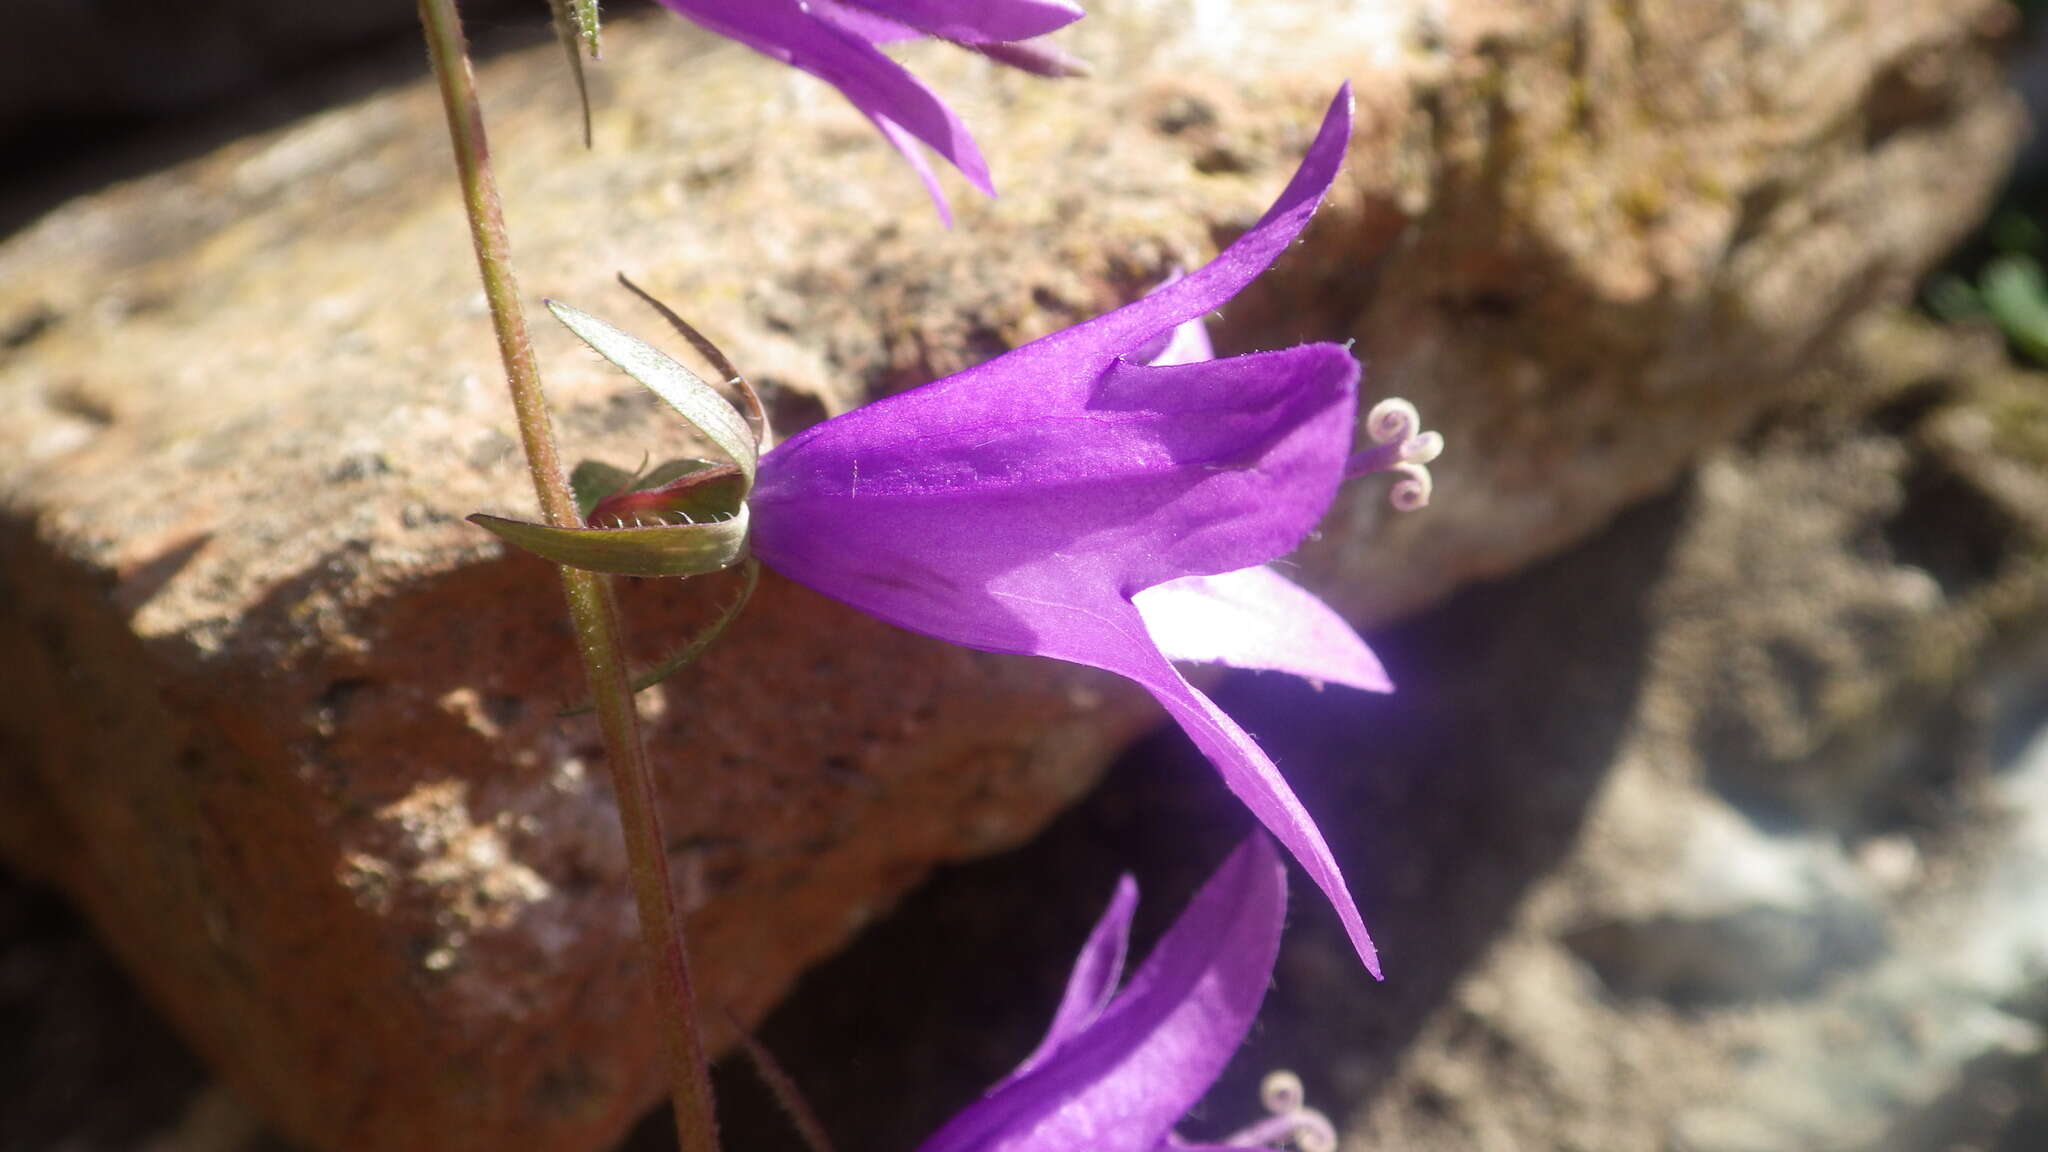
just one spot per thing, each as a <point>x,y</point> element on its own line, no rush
<point>1117,1070</point>
<point>837,41</point>
<point>1107,495</point>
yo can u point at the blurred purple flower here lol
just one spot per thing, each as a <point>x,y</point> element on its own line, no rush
<point>1107,495</point>
<point>836,41</point>
<point>1117,1070</point>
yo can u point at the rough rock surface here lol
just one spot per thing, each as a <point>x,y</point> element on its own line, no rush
<point>285,726</point>
<point>1802,905</point>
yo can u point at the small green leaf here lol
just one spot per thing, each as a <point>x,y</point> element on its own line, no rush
<point>691,397</point>
<point>660,550</point>
<point>2016,294</point>
<point>696,646</point>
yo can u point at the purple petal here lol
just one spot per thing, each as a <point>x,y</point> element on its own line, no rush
<point>883,91</point>
<point>1120,1085</point>
<point>1257,618</point>
<point>1039,57</point>
<point>1093,981</point>
<point>958,531</point>
<point>906,145</point>
<point>863,23</point>
<point>975,21</point>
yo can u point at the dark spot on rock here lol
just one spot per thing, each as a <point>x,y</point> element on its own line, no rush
<point>1183,112</point>
<point>1221,159</point>
<point>1911,93</point>
<point>1045,297</point>
<point>333,704</point>
<point>1950,529</point>
<point>358,466</point>
<point>790,410</point>
<point>73,399</point>
<point>1901,414</point>
<point>504,710</point>
<point>25,328</point>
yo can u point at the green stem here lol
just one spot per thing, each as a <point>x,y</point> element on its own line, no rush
<point>592,607</point>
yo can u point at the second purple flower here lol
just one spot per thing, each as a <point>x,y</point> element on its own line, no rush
<point>837,41</point>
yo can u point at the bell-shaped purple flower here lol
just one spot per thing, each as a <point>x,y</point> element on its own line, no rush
<point>1117,1070</point>
<point>837,41</point>
<point>1106,495</point>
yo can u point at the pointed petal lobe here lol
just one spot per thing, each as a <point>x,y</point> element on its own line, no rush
<point>784,30</point>
<point>975,21</point>
<point>1256,618</point>
<point>1093,981</point>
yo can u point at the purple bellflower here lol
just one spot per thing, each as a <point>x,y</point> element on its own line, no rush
<point>1117,1070</point>
<point>838,42</point>
<point>1108,495</point>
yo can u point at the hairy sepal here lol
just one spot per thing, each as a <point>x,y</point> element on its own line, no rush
<point>683,390</point>
<point>656,550</point>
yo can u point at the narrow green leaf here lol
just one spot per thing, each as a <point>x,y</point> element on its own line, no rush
<point>585,13</point>
<point>681,658</point>
<point>662,550</point>
<point>691,397</point>
<point>571,26</point>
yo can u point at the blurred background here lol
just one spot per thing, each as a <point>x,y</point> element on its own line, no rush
<point>1711,814</point>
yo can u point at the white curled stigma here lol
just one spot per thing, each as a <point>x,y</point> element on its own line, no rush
<point>1291,1120</point>
<point>1400,446</point>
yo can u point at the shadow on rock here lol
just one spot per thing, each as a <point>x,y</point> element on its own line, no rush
<point>1444,802</point>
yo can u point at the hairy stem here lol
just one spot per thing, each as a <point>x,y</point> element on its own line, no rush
<point>592,607</point>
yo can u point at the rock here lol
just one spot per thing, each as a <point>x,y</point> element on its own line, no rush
<point>1837,947</point>
<point>1735,914</point>
<point>286,727</point>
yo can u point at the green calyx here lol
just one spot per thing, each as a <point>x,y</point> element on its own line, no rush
<point>681,518</point>
<point>654,550</point>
